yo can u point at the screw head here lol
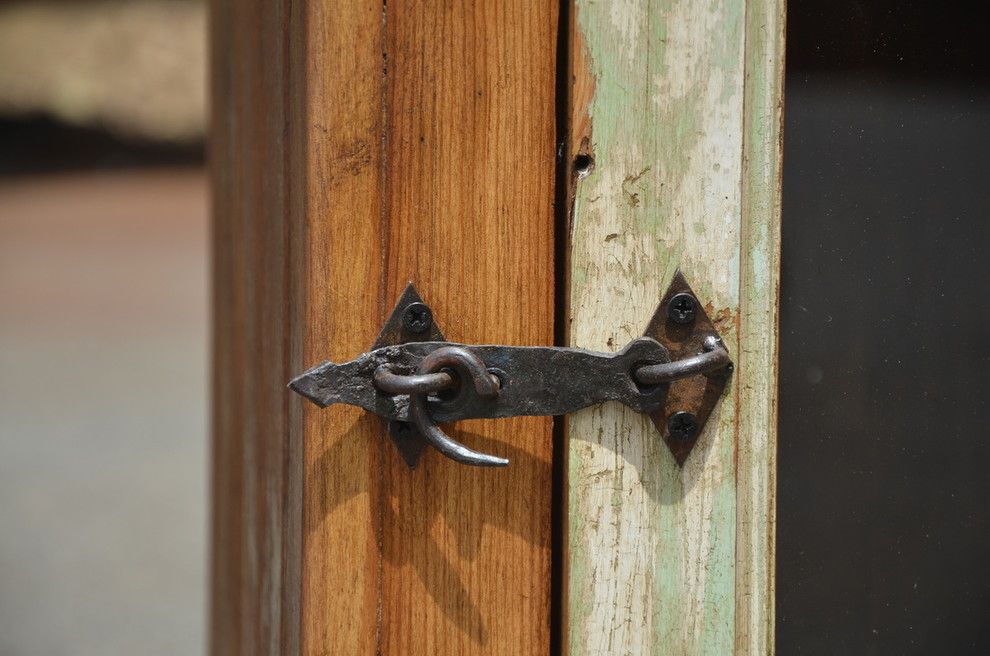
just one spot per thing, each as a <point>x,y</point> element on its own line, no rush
<point>417,318</point>
<point>682,425</point>
<point>682,308</point>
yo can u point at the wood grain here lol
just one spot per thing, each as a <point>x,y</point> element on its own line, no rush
<point>470,166</point>
<point>255,556</point>
<point>341,274</point>
<point>674,112</point>
<point>756,448</point>
<point>358,146</point>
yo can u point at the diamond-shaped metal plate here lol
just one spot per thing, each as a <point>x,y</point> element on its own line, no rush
<point>398,330</point>
<point>696,395</point>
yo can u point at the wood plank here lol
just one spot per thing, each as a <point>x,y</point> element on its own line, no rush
<point>756,449</point>
<point>255,528</point>
<point>357,146</point>
<point>659,103</point>
<point>341,251</point>
<point>469,205</point>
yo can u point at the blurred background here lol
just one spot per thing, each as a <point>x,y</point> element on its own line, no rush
<point>103,328</point>
<point>882,500</point>
<point>883,529</point>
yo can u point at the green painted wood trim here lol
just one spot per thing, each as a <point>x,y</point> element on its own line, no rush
<point>677,103</point>
<point>756,460</point>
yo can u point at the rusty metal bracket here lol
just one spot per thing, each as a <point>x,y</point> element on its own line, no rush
<point>414,378</point>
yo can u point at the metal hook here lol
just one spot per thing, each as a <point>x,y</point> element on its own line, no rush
<point>414,377</point>
<point>713,357</point>
<point>468,367</point>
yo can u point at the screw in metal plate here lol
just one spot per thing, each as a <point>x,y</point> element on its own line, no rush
<point>682,425</point>
<point>682,308</point>
<point>417,318</point>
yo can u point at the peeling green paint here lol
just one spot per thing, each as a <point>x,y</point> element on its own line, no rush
<point>652,547</point>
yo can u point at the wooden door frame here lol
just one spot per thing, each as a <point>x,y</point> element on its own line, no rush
<point>352,143</point>
<point>676,114</point>
<point>357,146</point>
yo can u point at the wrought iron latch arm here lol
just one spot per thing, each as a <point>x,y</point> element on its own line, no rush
<point>417,384</point>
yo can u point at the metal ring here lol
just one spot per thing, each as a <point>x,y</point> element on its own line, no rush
<point>392,383</point>
<point>712,358</point>
<point>469,367</point>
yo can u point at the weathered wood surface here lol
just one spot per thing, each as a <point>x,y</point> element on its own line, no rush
<point>677,104</point>
<point>357,146</point>
<point>756,438</point>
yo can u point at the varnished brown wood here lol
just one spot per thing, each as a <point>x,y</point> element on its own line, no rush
<point>255,555</point>
<point>357,146</point>
<point>470,164</point>
<point>342,505</point>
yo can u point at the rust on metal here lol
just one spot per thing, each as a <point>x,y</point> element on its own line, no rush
<point>415,379</point>
<point>697,392</point>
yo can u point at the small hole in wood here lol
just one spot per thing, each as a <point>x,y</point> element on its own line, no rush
<point>583,164</point>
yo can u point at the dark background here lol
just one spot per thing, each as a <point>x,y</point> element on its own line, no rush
<point>885,313</point>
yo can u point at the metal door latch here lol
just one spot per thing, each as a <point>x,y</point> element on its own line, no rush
<point>415,378</point>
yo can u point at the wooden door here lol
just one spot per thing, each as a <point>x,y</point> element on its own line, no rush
<point>539,170</point>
